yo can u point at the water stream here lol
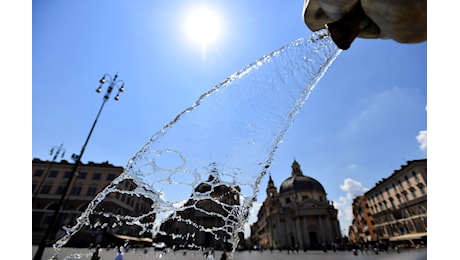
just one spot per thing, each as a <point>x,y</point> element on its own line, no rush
<point>212,156</point>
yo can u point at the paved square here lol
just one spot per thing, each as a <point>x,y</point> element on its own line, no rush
<point>85,253</point>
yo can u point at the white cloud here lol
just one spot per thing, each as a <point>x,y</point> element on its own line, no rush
<point>352,189</point>
<point>352,166</point>
<point>252,218</point>
<point>421,139</point>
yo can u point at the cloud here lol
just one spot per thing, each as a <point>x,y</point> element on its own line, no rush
<point>352,166</point>
<point>252,218</point>
<point>352,189</point>
<point>421,139</point>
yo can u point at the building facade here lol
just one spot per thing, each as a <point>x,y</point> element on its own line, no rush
<point>362,228</point>
<point>49,180</point>
<point>395,209</point>
<point>204,221</point>
<point>299,216</point>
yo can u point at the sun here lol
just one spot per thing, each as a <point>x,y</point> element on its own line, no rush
<point>203,26</point>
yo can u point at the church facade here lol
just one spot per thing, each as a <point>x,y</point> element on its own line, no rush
<point>298,216</point>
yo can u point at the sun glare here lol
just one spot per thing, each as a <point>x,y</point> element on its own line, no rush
<point>203,26</point>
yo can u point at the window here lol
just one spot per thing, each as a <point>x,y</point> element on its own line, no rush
<point>288,200</point>
<point>60,189</point>
<point>415,175</point>
<point>392,203</point>
<point>410,226</point>
<point>45,189</point>
<point>38,173</point>
<point>82,175</point>
<point>418,226</point>
<point>414,193</point>
<point>53,174</point>
<point>91,191</point>
<point>96,176</point>
<point>67,175</point>
<point>422,188</point>
<point>111,176</point>
<point>76,190</point>
<point>399,198</point>
<point>405,195</point>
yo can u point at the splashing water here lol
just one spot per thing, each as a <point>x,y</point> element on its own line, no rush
<point>210,159</point>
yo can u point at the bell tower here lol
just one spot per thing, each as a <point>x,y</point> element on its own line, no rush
<point>271,188</point>
<point>296,171</point>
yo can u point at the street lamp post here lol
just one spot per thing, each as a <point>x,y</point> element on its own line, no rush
<point>113,83</point>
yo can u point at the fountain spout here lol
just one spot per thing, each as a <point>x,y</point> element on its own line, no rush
<point>345,30</point>
<point>402,21</point>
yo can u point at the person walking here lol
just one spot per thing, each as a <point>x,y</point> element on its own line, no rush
<point>96,255</point>
<point>119,255</point>
<point>224,255</point>
<point>210,255</point>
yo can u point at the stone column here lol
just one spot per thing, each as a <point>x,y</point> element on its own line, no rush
<point>322,229</point>
<point>298,227</point>
<point>328,229</point>
<point>306,232</point>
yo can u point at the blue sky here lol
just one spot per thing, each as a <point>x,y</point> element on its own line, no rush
<point>366,117</point>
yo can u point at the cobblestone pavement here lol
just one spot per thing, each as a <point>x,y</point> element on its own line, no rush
<point>109,254</point>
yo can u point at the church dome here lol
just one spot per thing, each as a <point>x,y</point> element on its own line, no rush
<point>301,183</point>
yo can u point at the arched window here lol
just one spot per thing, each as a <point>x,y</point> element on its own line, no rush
<point>421,188</point>
<point>405,195</point>
<point>399,198</point>
<point>413,192</point>
<point>392,202</point>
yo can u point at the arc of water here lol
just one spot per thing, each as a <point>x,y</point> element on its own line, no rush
<point>236,127</point>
